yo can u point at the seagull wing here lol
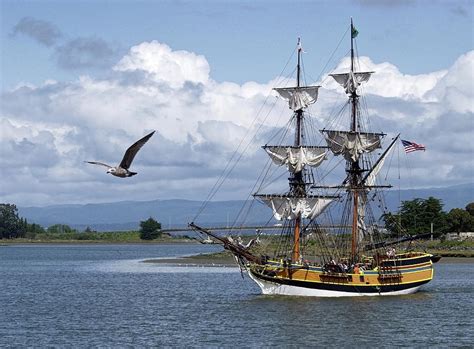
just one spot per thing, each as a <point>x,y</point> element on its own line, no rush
<point>133,150</point>
<point>98,163</point>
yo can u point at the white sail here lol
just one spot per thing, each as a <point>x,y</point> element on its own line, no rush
<point>352,144</point>
<point>372,175</point>
<point>296,158</point>
<point>290,207</point>
<point>350,81</point>
<point>299,97</point>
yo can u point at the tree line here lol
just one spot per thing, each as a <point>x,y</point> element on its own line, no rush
<point>12,226</point>
<point>416,217</point>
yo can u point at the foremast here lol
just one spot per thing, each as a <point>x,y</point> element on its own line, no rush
<point>297,184</point>
<point>297,204</point>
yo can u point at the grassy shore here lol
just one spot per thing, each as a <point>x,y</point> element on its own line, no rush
<point>455,249</point>
<point>107,238</point>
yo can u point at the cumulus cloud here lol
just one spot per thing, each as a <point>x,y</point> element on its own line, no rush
<point>456,88</point>
<point>200,123</point>
<point>170,67</point>
<point>44,32</point>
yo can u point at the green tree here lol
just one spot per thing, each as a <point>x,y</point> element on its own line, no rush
<point>392,223</point>
<point>470,208</point>
<point>33,230</point>
<point>459,220</point>
<point>416,217</point>
<point>11,225</point>
<point>150,229</point>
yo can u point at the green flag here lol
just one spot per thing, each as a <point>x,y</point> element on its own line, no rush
<point>354,32</point>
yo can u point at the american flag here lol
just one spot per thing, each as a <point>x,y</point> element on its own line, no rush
<point>412,146</point>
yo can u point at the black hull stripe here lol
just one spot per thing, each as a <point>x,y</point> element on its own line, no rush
<point>341,288</point>
<point>400,262</point>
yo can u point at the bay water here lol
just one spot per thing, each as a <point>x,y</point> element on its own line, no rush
<point>104,295</point>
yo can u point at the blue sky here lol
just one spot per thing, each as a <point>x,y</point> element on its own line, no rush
<point>82,80</point>
<point>242,40</point>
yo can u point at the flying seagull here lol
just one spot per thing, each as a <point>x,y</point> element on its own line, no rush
<point>122,169</point>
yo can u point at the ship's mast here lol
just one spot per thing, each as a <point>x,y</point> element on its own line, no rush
<point>354,168</point>
<point>296,182</point>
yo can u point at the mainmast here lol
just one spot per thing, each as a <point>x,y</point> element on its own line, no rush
<point>297,184</point>
<point>352,144</point>
<point>354,168</point>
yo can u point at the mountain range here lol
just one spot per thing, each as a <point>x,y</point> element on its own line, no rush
<point>126,215</point>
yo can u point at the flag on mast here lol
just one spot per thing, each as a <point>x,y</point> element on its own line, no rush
<point>412,146</point>
<point>354,32</point>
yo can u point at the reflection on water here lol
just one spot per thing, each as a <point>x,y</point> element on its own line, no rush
<point>105,296</point>
<point>138,266</point>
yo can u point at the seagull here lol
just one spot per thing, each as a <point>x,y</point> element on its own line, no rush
<point>122,169</point>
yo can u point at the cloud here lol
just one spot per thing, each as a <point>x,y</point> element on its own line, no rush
<point>44,32</point>
<point>82,53</point>
<point>388,81</point>
<point>456,88</point>
<point>50,129</point>
<point>164,65</point>
<point>75,54</point>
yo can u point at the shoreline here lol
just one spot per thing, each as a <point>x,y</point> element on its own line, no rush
<point>223,258</point>
<point>90,242</point>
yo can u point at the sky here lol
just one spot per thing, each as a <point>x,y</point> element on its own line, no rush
<point>82,80</point>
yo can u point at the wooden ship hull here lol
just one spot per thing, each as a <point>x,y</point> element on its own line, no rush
<point>402,275</point>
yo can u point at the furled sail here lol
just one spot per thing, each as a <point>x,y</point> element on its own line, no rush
<point>350,81</point>
<point>352,144</point>
<point>286,207</point>
<point>299,97</point>
<point>296,158</point>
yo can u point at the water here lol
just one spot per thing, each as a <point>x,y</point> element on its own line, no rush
<point>68,296</point>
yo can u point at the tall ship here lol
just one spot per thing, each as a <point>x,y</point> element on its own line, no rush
<point>328,241</point>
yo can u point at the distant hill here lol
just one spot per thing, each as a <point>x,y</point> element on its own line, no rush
<point>126,215</point>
